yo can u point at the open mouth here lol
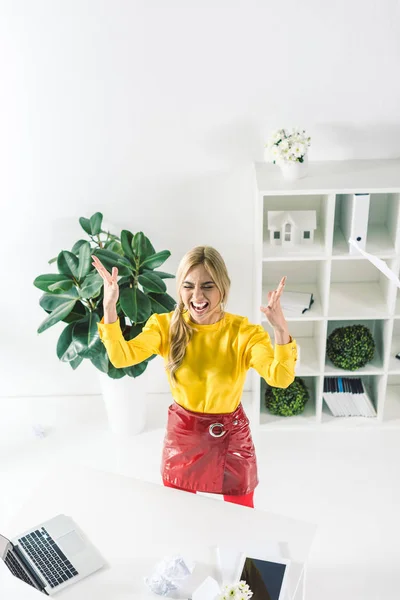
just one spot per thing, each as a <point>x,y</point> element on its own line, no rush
<point>199,308</point>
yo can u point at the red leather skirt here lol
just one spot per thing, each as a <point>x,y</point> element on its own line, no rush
<point>205,452</point>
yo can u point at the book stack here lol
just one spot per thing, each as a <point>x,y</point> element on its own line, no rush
<point>347,397</point>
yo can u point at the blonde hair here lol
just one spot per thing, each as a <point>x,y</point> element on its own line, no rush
<point>181,332</point>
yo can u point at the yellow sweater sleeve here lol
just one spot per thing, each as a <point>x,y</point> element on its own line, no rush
<point>126,353</point>
<point>276,366</point>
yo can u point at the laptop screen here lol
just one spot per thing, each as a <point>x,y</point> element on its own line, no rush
<point>15,563</point>
<point>265,578</point>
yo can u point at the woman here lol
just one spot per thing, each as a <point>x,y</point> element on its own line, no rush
<point>207,353</point>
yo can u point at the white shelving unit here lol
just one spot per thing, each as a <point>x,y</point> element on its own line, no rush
<point>347,288</point>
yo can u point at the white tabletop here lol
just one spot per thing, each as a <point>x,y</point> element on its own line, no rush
<point>134,524</point>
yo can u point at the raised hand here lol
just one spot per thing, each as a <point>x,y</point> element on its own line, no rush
<point>111,288</point>
<point>273,311</point>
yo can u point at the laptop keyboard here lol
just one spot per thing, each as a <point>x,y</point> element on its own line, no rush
<point>48,558</point>
<point>16,568</point>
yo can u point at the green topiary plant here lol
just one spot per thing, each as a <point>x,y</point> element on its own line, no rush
<point>350,347</point>
<point>289,401</point>
<point>74,295</point>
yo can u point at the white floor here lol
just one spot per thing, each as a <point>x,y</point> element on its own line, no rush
<point>345,481</point>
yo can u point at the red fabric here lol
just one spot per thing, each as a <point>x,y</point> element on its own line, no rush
<point>194,460</point>
<point>246,500</point>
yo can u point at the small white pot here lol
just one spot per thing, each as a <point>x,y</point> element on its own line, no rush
<point>125,402</point>
<point>295,170</point>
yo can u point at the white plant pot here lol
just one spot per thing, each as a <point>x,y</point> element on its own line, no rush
<point>295,170</point>
<point>125,402</point>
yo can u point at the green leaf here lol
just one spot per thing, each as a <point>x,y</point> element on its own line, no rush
<point>85,261</point>
<point>149,248</point>
<point>152,283</point>
<point>114,246</point>
<point>76,247</point>
<point>161,303</point>
<point>136,370</point>
<point>52,301</point>
<point>133,331</point>
<point>95,223</point>
<point>75,362</point>
<point>86,336</point>
<point>161,274</point>
<point>140,246</point>
<point>68,263</point>
<point>115,373</point>
<point>126,243</point>
<point>92,286</point>
<point>112,259</point>
<point>86,226</point>
<point>76,313</point>
<point>61,286</point>
<point>57,315</point>
<point>43,281</point>
<point>125,281</point>
<point>154,261</point>
<point>66,349</point>
<point>101,361</point>
<point>135,304</point>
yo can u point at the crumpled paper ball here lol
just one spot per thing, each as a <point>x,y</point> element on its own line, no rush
<point>168,575</point>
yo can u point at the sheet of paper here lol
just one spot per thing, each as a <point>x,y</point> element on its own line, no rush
<point>207,590</point>
<point>379,264</point>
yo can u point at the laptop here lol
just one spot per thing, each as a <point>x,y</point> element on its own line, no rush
<point>51,556</point>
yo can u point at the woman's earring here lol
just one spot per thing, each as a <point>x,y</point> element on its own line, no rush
<point>222,306</point>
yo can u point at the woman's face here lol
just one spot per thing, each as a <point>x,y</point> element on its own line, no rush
<point>201,296</point>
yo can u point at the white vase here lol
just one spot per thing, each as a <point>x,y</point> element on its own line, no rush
<point>295,170</point>
<point>125,402</point>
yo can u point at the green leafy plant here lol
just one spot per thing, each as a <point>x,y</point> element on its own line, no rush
<point>350,347</point>
<point>74,295</point>
<point>288,401</point>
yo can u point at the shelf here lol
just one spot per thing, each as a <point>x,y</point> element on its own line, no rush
<point>328,420</point>
<point>291,204</point>
<point>309,336</point>
<point>394,363</point>
<point>359,290</point>
<point>375,367</point>
<point>397,302</point>
<point>379,330</point>
<point>383,217</point>
<point>392,402</point>
<point>372,384</point>
<point>316,251</point>
<point>309,357</point>
<point>378,243</point>
<point>313,314</point>
<point>333,176</point>
<point>302,276</point>
<point>306,418</point>
<point>347,288</point>
<point>352,300</point>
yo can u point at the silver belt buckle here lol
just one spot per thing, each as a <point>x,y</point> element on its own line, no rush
<point>217,435</point>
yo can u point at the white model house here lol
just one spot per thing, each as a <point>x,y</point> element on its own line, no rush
<point>288,228</point>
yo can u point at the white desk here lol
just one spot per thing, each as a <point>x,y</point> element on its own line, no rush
<point>134,524</point>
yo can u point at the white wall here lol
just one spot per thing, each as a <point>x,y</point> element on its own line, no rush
<point>152,113</point>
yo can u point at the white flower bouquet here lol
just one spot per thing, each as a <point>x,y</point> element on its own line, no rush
<point>285,147</point>
<point>236,591</point>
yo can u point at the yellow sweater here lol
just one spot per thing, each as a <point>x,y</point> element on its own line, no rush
<point>212,374</point>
